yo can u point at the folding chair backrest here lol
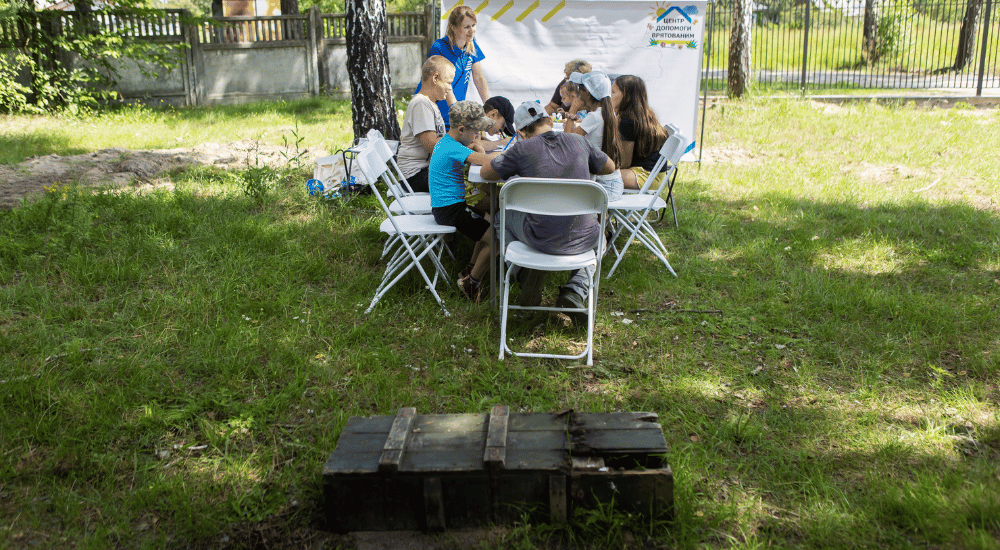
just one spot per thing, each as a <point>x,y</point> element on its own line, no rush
<point>556,197</point>
<point>370,163</point>
<point>670,152</point>
<point>398,186</point>
<point>553,197</point>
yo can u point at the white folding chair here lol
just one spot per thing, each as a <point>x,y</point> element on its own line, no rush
<point>406,200</point>
<point>671,130</point>
<point>632,212</point>
<point>553,197</point>
<point>411,237</point>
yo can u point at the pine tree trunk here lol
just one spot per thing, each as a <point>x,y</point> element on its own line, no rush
<point>739,49</point>
<point>372,104</point>
<point>967,35</point>
<point>870,31</point>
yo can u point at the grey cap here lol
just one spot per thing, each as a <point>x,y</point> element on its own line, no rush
<point>469,113</point>
<point>528,112</point>
<point>595,82</point>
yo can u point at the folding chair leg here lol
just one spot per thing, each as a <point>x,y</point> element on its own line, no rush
<point>385,285</point>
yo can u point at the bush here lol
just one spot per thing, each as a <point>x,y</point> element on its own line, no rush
<point>66,60</point>
<point>894,30</point>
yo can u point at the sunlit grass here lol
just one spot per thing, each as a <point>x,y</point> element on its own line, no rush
<point>824,366</point>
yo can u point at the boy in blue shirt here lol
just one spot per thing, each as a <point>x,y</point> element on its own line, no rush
<point>446,180</point>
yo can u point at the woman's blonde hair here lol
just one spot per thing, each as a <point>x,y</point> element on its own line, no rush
<point>455,21</point>
<point>577,66</point>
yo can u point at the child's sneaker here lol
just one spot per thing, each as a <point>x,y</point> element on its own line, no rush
<point>472,290</point>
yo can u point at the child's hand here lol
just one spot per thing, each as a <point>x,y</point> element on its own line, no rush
<point>477,144</point>
<point>569,125</point>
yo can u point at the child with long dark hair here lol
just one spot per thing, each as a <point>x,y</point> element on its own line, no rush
<point>600,125</point>
<point>642,135</point>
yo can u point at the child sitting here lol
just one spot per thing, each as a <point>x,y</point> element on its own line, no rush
<point>422,123</point>
<point>600,126</point>
<point>447,187</point>
<point>558,103</point>
<point>501,111</point>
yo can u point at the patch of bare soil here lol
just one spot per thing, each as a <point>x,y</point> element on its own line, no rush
<point>729,154</point>
<point>119,167</point>
<point>883,173</point>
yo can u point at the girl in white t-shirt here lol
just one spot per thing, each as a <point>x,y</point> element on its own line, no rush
<point>600,125</point>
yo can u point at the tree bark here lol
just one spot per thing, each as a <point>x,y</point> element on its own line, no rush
<point>372,104</point>
<point>967,35</point>
<point>870,31</point>
<point>739,49</point>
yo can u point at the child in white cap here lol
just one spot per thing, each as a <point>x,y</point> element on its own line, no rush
<point>600,126</point>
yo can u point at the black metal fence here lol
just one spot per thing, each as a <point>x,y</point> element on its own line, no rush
<point>820,44</point>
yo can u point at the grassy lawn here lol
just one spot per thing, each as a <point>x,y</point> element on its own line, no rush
<point>175,367</point>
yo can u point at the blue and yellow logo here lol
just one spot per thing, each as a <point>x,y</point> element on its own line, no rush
<point>672,26</point>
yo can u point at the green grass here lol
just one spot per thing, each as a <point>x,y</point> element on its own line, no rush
<point>177,366</point>
<point>137,127</point>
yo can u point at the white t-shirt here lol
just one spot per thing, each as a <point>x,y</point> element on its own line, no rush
<point>422,115</point>
<point>593,124</point>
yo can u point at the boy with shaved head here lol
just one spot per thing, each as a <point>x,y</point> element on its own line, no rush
<point>423,125</point>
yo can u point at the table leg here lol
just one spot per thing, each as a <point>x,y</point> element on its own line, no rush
<point>493,244</point>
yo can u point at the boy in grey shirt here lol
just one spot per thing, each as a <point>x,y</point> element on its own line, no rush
<point>543,153</point>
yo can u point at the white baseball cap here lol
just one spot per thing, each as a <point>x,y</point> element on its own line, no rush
<point>596,82</point>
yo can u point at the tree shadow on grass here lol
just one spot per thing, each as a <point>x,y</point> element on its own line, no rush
<point>38,144</point>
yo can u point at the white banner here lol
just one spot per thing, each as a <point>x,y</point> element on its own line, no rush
<point>528,42</point>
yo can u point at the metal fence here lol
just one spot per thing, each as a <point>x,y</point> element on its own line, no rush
<point>819,44</point>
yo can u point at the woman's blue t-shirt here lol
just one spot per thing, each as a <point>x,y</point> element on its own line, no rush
<point>463,69</point>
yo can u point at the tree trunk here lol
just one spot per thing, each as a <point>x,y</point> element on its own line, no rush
<point>372,104</point>
<point>739,49</point>
<point>870,43</point>
<point>967,35</point>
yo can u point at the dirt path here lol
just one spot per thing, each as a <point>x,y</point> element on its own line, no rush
<point>121,167</point>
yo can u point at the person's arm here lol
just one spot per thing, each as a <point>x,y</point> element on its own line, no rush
<point>480,81</point>
<point>609,166</point>
<point>482,159</point>
<point>552,108</point>
<point>428,139</point>
<point>627,148</point>
<point>575,107</point>
<point>573,127</point>
<point>488,173</point>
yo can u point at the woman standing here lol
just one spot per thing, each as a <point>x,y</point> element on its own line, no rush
<point>641,132</point>
<point>460,47</point>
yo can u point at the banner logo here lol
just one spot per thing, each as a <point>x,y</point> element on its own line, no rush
<point>673,26</point>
